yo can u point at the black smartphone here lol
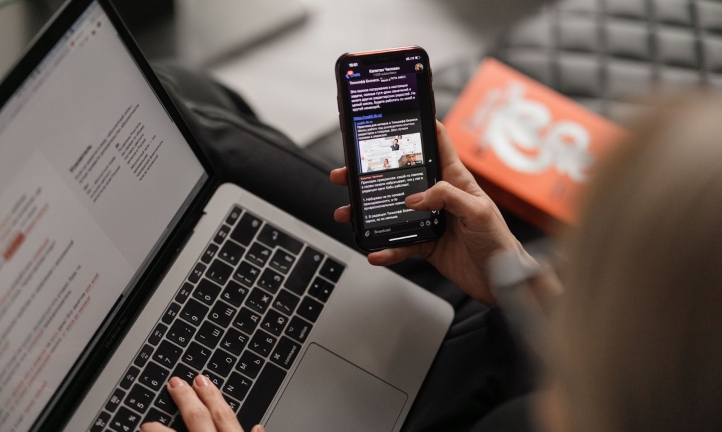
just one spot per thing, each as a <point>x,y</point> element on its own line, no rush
<point>388,120</point>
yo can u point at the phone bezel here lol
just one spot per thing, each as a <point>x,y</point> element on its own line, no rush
<point>430,144</point>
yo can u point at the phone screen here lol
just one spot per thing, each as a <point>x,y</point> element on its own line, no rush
<point>389,117</point>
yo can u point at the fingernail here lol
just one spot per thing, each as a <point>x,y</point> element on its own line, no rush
<point>415,198</point>
<point>258,428</point>
<point>175,382</point>
<point>201,381</point>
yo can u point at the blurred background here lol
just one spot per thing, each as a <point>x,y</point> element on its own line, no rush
<point>279,54</point>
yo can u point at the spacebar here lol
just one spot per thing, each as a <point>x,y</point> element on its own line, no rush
<point>261,395</point>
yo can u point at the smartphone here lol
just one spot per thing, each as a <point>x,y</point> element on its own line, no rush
<point>388,120</point>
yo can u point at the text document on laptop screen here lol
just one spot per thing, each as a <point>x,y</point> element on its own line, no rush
<point>92,172</point>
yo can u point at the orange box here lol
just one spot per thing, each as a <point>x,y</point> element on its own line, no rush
<point>530,148</point>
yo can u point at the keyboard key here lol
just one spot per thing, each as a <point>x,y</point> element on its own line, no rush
<point>180,333</point>
<point>115,400</point>
<point>321,289</point>
<point>258,254</point>
<point>215,379</point>
<point>234,341</point>
<point>273,237</point>
<point>157,416</point>
<point>139,398</point>
<point>178,425</point>
<point>209,334</point>
<point>221,363</point>
<point>219,272</point>
<point>247,321</point>
<point>285,302</point>
<point>285,352</point>
<point>207,291</point>
<point>130,376</point>
<point>299,329</point>
<point>246,274</point>
<point>250,364</point>
<point>310,309</point>
<point>184,292</point>
<point>237,386</point>
<point>196,355</point>
<point>185,373</point>
<point>261,395</point>
<point>262,343</point>
<point>231,253</point>
<point>194,312</point>
<point>331,270</point>
<point>246,229</point>
<point>308,263</point>
<point>274,322</point>
<point>210,253</point>
<point>234,293</point>
<point>222,234</point>
<point>165,402</point>
<point>259,300</point>
<point>233,216</point>
<point>232,403</point>
<point>270,281</point>
<point>167,354</point>
<point>282,261</point>
<point>143,356</point>
<point>100,422</point>
<point>197,272</point>
<point>125,420</point>
<point>171,313</point>
<point>153,376</point>
<point>157,334</point>
<point>222,314</point>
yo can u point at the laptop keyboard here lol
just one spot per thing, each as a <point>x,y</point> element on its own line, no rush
<point>240,319</point>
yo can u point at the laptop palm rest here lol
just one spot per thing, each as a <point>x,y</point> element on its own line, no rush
<point>327,391</point>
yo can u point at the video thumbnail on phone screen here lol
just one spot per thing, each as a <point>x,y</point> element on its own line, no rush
<point>389,142</point>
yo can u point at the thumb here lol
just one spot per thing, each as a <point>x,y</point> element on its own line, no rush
<point>452,199</point>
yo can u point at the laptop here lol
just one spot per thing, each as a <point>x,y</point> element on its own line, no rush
<point>124,261</point>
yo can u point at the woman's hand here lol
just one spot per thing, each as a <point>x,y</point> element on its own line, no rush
<point>202,407</point>
<point>475,228</point>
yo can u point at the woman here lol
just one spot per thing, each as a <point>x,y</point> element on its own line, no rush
<point>639,329</point>
<point>640,325</point>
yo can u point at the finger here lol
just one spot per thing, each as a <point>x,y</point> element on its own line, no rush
<point>342,214</point>
<point>447,153</point>
<point>389,257</point>
<point>452,169</point>
<point>223,416</point>
<point>258,428</point>
<point>154,427</point>
<point>195,415</point>
<point>452,199</point>
<point>339,176</point>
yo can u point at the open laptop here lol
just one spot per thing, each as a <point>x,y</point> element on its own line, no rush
<point>124,262</point>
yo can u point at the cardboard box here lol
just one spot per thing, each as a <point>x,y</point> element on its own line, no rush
<point>531,149</point>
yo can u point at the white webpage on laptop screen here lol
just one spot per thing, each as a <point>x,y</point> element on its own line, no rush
<point>92,172</point>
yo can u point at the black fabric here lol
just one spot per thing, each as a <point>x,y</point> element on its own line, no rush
<point>478,367</point>
<point>605,53</point>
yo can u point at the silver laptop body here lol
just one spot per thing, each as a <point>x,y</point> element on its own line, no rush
<point>124,262</point>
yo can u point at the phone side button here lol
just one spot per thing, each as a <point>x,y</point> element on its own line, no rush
<point>340,122</point>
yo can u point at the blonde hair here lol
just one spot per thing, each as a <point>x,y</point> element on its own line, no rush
<point>640,324</point>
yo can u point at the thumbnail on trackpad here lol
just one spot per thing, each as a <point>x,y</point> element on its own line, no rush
<point>327,391</point>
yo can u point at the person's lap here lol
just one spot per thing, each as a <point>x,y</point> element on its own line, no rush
<point>478,366</point>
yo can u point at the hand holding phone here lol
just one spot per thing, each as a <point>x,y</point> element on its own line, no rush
<point>387,116</point>
<point>476,229</point>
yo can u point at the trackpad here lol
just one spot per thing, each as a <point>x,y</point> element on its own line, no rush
<point>329,393</point>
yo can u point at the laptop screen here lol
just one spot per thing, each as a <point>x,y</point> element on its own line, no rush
<point>93,175</point>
